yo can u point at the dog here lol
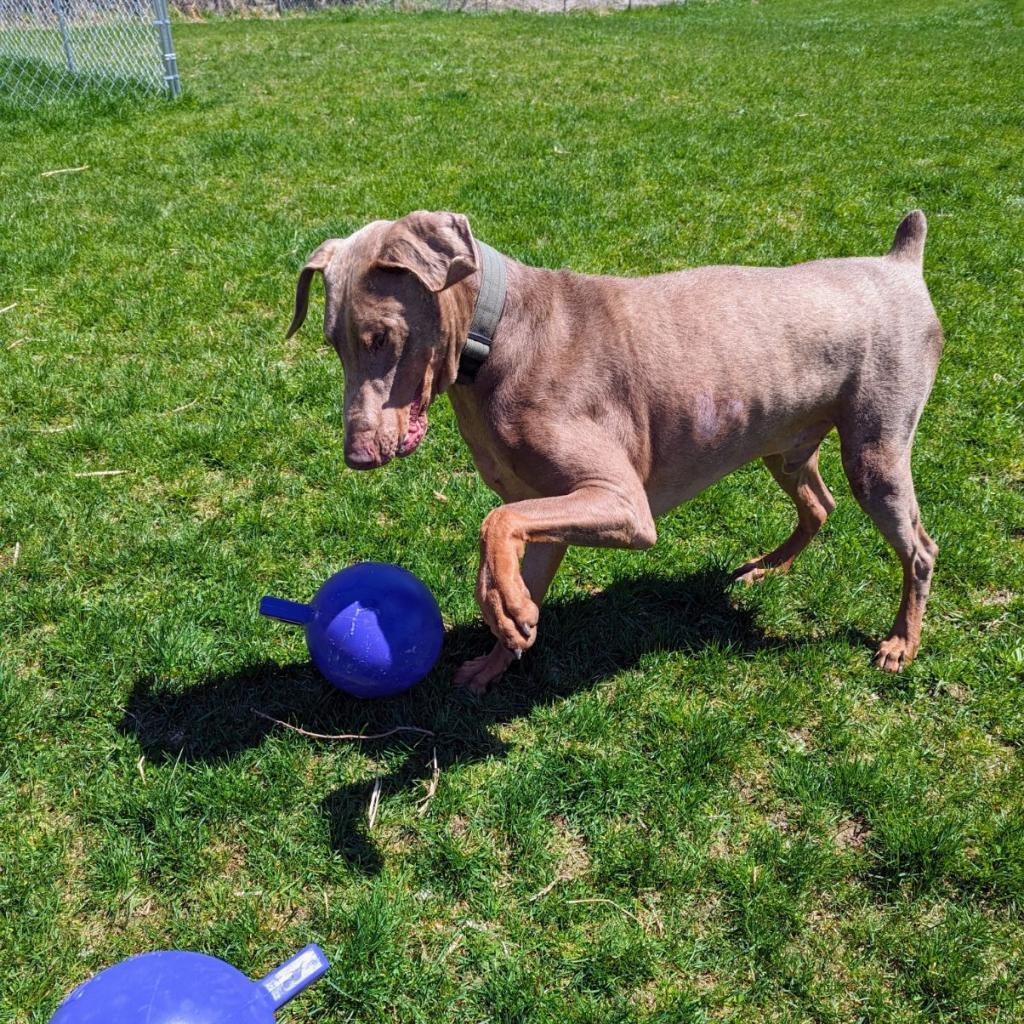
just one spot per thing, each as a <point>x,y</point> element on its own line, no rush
<point>593,404</point>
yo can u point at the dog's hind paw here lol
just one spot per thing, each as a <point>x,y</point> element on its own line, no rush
<point>751,572</point>
<point>894,653</point>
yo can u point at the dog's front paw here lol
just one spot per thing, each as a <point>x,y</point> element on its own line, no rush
<point>477,674</point>
<point>894,652</point>
<point>509,612</point>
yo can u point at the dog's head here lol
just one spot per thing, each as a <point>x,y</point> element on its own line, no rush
<point>393,321</point>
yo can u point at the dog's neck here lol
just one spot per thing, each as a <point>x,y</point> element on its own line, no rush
<point>512,353</point>
<point>470,313</point>
<point>492,288</point>
<point>470,321</point>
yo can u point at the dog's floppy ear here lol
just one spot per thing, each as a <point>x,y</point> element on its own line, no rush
<point>436,247</point>
<point>317,263</point>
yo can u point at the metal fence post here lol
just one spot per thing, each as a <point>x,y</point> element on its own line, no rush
<point>163,25</point>
<point>49,47</point>
<point>58,6</point>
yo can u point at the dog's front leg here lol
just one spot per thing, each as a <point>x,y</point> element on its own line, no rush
<point>539,565</point>
<point>594,515</point>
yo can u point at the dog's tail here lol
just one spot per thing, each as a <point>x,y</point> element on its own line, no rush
<point>910,235</point>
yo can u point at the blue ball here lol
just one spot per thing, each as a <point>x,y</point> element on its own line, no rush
<point>373,629</point>
<point>377,630</point>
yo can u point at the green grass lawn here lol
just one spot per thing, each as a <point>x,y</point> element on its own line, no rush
<point>689,801</point>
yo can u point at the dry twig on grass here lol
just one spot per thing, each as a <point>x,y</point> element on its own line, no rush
<point>344,736</point>
<point>371,814</point>
<point>621,909</point>
<point>180,408</point>
<point>64,170</point>
<point>424,804</point>
<point>547,888</point>
<point>104,472</point>
<point>15,554</point>
<point>450,948</point>
<point>7,309</point>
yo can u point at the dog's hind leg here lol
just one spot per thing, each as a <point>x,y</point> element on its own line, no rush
<point>813,500</point>
<point>880,478</point>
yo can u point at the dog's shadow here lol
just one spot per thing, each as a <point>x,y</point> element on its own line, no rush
<point>582,641</point>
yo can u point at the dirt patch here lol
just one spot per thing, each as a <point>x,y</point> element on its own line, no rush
<point>851,834</point>
<point>574,860</point>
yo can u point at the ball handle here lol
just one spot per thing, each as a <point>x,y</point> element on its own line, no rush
<point>295,974</point>
<point>286,611</point>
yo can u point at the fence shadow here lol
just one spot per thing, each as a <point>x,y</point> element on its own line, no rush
<point>583,640</point>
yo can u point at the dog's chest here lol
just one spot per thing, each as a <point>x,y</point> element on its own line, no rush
<point>489,456</point>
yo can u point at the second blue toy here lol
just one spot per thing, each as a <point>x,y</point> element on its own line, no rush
<point>178,987</point>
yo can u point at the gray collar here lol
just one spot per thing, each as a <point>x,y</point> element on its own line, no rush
<point>489,305</point>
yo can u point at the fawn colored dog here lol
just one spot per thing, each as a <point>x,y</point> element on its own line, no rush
<point>607,401</point>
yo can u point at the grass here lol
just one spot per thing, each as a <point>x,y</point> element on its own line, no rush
<point>688,802</point>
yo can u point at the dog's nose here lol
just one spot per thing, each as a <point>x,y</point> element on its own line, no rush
<point>362,455</point>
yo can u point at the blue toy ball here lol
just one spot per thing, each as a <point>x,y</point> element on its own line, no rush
<point>373,629</point>
<point>175,987</point>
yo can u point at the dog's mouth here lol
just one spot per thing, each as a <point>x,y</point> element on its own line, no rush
<point>416,428</point>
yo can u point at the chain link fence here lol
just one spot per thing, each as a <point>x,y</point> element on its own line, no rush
<point>49,47</point>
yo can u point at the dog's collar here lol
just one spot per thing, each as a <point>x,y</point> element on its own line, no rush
<point>489,305</point>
